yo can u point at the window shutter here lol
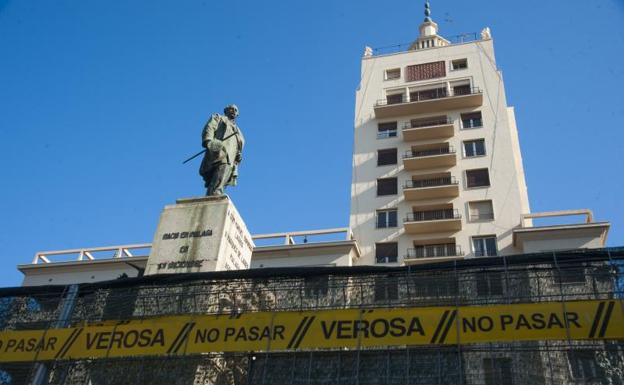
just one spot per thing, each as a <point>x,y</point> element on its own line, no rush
<point>425,71</point>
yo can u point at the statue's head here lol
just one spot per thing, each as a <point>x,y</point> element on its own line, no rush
<point>231,111</point>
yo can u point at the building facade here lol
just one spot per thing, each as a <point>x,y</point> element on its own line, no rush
<point>437,168</point>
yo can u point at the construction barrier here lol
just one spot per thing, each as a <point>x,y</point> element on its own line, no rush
<point>345,328</point>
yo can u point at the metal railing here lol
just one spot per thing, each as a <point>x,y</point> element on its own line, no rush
<point>433,94</point>
<point>429,152</point>
<point>289,237</point>
<point>427,122</point>
<point>402,47</point>
<point>121,251</point>
<point>431,251</point>
<point>387,134</point>
<point>435,182</point>
<point>472,123</point>
<point>143,249</point>
<point>432,215</point>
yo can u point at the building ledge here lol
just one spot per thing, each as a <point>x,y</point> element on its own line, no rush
<point>139,261</point>
<point>592,230</point>
<point>284,251</point>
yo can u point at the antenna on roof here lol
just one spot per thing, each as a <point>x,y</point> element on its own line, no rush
<point>427,12</point>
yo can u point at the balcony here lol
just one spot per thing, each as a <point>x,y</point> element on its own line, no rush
<point>430,128</point>
<point>429,158</point>
<point>446,187</point>
<point>435,100</point>
<point>432,221</point>
<point>433,253</point>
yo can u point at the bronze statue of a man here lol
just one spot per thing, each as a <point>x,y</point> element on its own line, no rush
<point>223,142</point>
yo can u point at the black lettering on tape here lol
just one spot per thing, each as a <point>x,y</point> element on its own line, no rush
<point>444,326</point>
<point>538,321</point>
<point>415,327</point>
<point>598,319</point>
<point>300,326</point>
<point>327,331</point>
<point>505,319</point>
<point>181,337</point>
<point>448,326</point>
<point>304,331</point>
<point>68,343</point>
<point>485,323</point>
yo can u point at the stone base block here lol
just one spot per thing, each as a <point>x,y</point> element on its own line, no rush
<point>200,234</point>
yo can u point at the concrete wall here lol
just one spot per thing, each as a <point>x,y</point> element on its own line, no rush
<point>550,244</point>
<point>78,272</point>
<point>304,255</point>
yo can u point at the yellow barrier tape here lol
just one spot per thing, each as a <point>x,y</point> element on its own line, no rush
<point>348,328</point>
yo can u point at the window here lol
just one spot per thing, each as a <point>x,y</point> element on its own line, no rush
<point>425,71</point>
<point>387,130</point>
<point>394,73</point>
<point>583,365</point>
<point>459,64</point>
<point>484,246</point>
<point>497,371</point>
<point>386,289</point>
<point>385,157</point>
<point>489,283</point>
<point>481,211</point>
<point>386,252</point>
<point>386,186</point>
<point>387,218</point>
<point>314,287</point>
<point>472,120</point>
<point>477,178</point>
<point>394,99</point>
<point>433,93</point>
<point>474,148</point>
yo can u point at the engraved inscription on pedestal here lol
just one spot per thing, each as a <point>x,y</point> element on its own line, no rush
<point>200,234</point>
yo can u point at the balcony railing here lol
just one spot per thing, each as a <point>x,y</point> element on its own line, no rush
<point>472,123</point>
<point>437,93</point>
<point>429,152</point>
<point>432,251</point>
<point>387,134</point>
<point>432,215</point>
<point>441,121</point>
<point>403,47</point>
<point>435,182</point>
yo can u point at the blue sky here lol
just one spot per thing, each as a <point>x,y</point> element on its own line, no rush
<point>100,102</point>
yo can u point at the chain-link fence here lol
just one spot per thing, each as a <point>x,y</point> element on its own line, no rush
<point>548,277</point>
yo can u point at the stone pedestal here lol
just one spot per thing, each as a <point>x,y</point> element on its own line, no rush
<point>200,234</point>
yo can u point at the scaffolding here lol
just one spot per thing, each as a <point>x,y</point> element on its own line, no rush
<point>547,277</point>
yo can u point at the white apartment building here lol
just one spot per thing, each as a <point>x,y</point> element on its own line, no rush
<point>437,167</point>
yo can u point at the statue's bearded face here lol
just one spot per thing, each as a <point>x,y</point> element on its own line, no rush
<point>231,113</point>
